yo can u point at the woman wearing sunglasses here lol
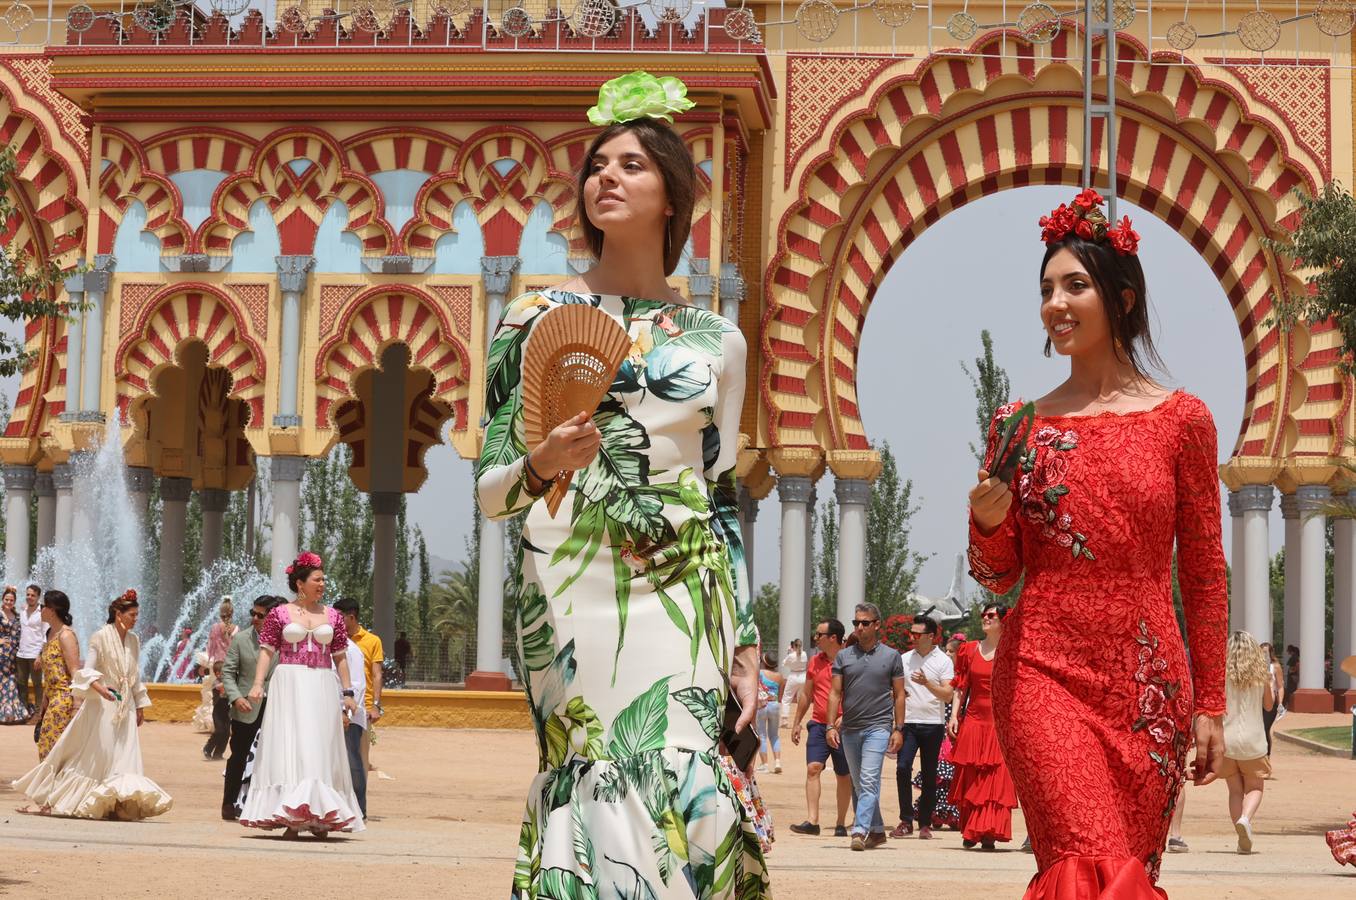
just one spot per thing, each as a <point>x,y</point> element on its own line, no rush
<point>982,789</point>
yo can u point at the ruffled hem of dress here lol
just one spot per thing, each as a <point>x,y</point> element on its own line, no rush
<point>986,822</point>
<point>1088,877</point>
<point>125,796</point>
<point>975,785</point>
<point>1342,843</point>
<point>309,805</point>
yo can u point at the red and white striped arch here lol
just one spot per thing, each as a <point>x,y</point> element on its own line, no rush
<point>371,322</point>
<point>48,225</point>
<point>954,129</point>
<point>127,178</point>
<point>176,315</point>
<point>298,200</point>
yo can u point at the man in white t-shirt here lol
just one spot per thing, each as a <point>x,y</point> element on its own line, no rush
<point>355,732</point>
<point>32,635</point>
<point>927,685</point>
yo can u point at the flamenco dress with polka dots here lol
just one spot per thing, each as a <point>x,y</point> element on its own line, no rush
<point>1092,670</point>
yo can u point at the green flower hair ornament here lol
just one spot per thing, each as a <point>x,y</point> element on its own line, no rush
<point>639,95</point>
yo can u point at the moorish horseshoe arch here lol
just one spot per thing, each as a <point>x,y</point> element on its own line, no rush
<point>176,315</point>
<point>373,320</point>
<point>895,166</point>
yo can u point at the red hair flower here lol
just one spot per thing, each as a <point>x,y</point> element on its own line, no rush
<point>129,594</point>
<point>1088,199</point>
<point>1085,219</point>
<point>309,559</point>
<point>1124,238</point>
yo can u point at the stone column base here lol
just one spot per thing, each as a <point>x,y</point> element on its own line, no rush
<point>488,681</point>
<point>1310,700</point>
<point>1345,700</point>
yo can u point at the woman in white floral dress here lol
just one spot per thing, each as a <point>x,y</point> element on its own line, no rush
<point>634,619</point>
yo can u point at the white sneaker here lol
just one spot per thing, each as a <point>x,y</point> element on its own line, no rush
<point>777,769</point>
<point>1244,829</point>
<point>762,767</point>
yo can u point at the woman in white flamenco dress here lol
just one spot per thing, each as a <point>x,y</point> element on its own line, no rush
<point>94,771</point>
<point>301,779</point>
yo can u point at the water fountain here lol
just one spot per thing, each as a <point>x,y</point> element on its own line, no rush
<point>109,553</point>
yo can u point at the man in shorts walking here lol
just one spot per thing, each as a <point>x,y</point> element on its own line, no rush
<point>828,639</point>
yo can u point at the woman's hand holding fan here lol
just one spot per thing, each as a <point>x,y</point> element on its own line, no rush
<point>569,363</point>
<point>569,447</point>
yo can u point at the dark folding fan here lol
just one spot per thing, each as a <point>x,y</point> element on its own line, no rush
<point>1012,435</point>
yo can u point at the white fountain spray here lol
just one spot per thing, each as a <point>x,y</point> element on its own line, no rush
<point>109,553</point>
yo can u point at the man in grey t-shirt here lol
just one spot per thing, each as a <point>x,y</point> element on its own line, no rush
<point>868,684</point>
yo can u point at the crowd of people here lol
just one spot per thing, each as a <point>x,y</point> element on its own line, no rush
<point>293,696</point>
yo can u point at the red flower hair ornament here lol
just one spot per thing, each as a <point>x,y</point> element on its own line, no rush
<point>305,559</point>
<point>1084,217</point>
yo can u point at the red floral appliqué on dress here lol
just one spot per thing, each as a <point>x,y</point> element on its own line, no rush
<point>1093,696</point>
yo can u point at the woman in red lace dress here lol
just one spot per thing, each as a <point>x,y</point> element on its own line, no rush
<point>1092,670</point>
<point>982,788</point>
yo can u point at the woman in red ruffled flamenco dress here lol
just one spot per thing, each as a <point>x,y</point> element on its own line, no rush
<point>1092,671</point>
<point>981,789</point>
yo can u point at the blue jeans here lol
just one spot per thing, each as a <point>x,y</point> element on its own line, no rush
<point>769,718</point>
<point>865,752</point>
<point>354,735</point>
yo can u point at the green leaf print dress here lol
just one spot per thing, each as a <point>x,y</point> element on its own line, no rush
<point>630,604</point>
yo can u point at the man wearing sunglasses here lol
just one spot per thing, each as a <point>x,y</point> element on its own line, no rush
<point>868,685</point>
<point>237,676</point>
<point>929,690</point>
<point>828,639</point>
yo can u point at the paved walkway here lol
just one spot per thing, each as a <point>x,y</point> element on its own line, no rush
<point>446,827</point>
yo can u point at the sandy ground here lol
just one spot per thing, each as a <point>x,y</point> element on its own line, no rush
<point>445,825</point>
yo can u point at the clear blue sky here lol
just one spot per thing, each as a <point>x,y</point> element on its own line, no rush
<point>974,269</point>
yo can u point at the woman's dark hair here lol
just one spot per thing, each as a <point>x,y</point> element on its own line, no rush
<point>1000,608</point>
<point>122,604</point>
<point>299,574</point>
<point>59,603</point>
<point>671,156</point>
<point>1114,273</point>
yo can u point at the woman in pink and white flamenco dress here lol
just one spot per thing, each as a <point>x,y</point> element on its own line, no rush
<point>301,778</point>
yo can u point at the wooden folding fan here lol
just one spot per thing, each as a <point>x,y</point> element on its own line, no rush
<point>571,358</point>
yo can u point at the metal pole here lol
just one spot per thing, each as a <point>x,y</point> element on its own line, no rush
<point>1101,22</point>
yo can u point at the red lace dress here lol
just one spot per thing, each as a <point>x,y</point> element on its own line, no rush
<point>982,788</point>
<point>1093,698</point>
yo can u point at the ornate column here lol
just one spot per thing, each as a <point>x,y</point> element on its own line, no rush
<point>748,516</point>
<point>292,273</point>
<point>701,284</point>
<point>854,471</point>
<point>96,292</point>
<point>1311,696</point>
<point>18,495</point>
<point>62,480</point>
<point>46,491</point>
<point>1239,552</point>
<point>794,493</point>
<point>1290,515</point>
<point>139,483</point>
<point>385,509</point>
<point>1256,500</point>
<point>75,348</point>
<point>214,502</point>
<point>174,494</point>
<point>285,473</point>
<point>496,273</point>
<point>1344,608</point>
<point>731,291</point>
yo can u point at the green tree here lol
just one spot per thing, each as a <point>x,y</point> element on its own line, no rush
<point>992,390</point>
<point>336,522</point>
<point>891,566</point>
<point>1323,244</point>
<point>452,617</point>
<point>28,287</point>
<point>767,605</point>
<point>824,601</point>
